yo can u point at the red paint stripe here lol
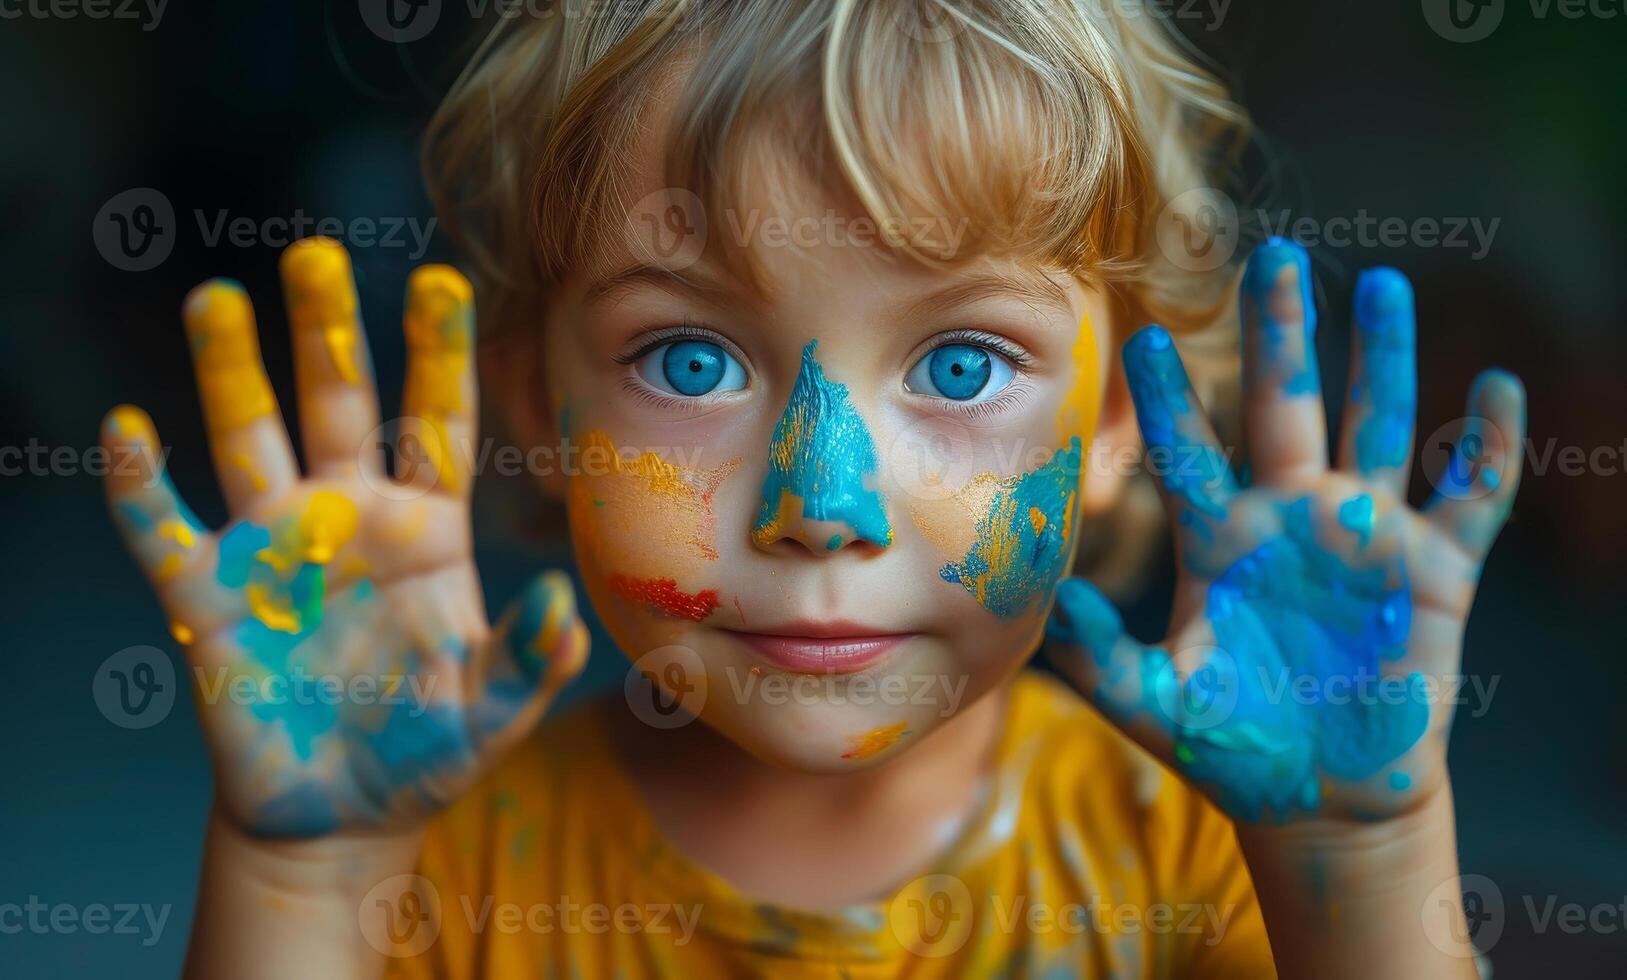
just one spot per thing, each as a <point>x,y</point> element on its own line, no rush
<point>663,594</point>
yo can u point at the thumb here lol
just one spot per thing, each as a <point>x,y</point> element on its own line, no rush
<point>540,643</point>
<point>1122,677</point>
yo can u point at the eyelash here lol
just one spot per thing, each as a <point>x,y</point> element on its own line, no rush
<point>650,340</point>
<point>1012,395</point>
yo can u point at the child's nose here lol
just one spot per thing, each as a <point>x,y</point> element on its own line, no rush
<point>820,487</point>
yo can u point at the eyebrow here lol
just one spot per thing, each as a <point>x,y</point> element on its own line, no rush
<point>694,282</point>
<point>1032,287</point>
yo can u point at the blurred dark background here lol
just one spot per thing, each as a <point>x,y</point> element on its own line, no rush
<point>272,111</point>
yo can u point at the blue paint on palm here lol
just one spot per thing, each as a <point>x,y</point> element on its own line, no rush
<point>1356,516</point>
<point>1385,392</point>
<point>1265,270</point>
<point>1289,610</point>
<point>820,461</point>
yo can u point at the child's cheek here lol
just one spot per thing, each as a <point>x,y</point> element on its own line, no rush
<point>1008,540</point>
<point>644,528</point>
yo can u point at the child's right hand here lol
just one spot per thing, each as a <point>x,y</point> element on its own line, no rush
<point>346,676</point>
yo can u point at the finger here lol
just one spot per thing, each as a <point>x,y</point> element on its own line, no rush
<point>338,402</point>
<point>1475,494</point>
<point>539,645</point>
<point>1376,441</point>
<point>1282,387</point>
<point>438,409</point>
<point>158,528</point>
<point>253,458</point>
<point>1182,452</point>
<point>1085,639</point>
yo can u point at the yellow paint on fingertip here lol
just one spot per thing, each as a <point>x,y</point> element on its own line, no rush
<point>178,531</point>
<point>440,336</point>
<point>128,423</point>
<point>322,300</point>
<point>231,380</point>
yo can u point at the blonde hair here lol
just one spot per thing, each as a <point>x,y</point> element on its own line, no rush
<point>1060,131</point>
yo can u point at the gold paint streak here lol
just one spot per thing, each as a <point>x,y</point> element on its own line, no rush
<point>440,337</point>
<point>874,742</point>
<point>681,497</point>
<point>1036,519</point>
<point>183,633</point>
<point>177,531</point>
<point>231,380</point>
<point>168,568</point>
<point>1077,416</point>
<point>243,462</point>
<point>261,604</point>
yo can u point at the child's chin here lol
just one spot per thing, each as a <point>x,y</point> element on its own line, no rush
<point>843,745</point>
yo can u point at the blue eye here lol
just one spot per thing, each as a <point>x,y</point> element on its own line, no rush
<point>691,368</point>
<point>961,373</point>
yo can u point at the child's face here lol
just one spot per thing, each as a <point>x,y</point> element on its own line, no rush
<point>864,487</point>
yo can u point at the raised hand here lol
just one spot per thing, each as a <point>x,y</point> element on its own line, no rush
<point>345,672</point>
<point>1318,619</point>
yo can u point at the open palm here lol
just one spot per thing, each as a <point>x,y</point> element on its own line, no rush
<point>345,672</point>
<point>1314,653</point>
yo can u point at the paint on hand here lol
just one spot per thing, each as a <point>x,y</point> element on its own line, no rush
<point>819,463</point>
<point>1277,291</point>
<point>1384,396</point>
<point>231,380</point>
<point>1077,416</point>
<point>280,568</point>
<point>646,486</point>
<point>322,301</point>
<point>664,596</point>
<point>1173,425</point>
<point>1356,516</point>
<point>1292,609</point>
<point>1024,536</point>
<point>440,338</point>
<point>875,742</point>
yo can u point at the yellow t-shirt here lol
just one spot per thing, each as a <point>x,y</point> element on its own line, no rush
<point>1088,860</point>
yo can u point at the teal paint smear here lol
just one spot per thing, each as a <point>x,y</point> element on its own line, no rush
<point>138,520</point>
<point>822,455</point>
<point>1400,781</point>
<point>1292,609</point>
<point>238,547</point>
<point>1194,471</point>
<point>1356,516</point>
<point>1385,392</point>
<point>834,542</point>
<point>1013,567</point>
<point>1260,278</point>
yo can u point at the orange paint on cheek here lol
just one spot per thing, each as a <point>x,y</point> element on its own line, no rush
<point>873,743</point>
<point>650,496</point>
<point>664,596</point>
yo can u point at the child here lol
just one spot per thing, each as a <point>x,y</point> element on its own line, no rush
<point>828,314</point>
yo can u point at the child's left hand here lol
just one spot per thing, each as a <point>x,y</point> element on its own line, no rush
<point>1313,660</point>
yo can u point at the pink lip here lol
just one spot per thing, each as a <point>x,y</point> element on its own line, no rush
<point>832,647</point>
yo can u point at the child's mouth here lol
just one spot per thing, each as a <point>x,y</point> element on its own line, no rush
<point>835,647</point>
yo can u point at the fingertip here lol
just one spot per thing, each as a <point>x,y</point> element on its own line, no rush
<point>315,264</point>
<point>127,424</point>
<point>215,308</point>
<point>439,309</point>
<point>544,615</point>
<point>1149,340</point>
<point>1498,387</point>
<point>1266,264</point>
<point>1083,616</point>
<point>1383,295</point>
